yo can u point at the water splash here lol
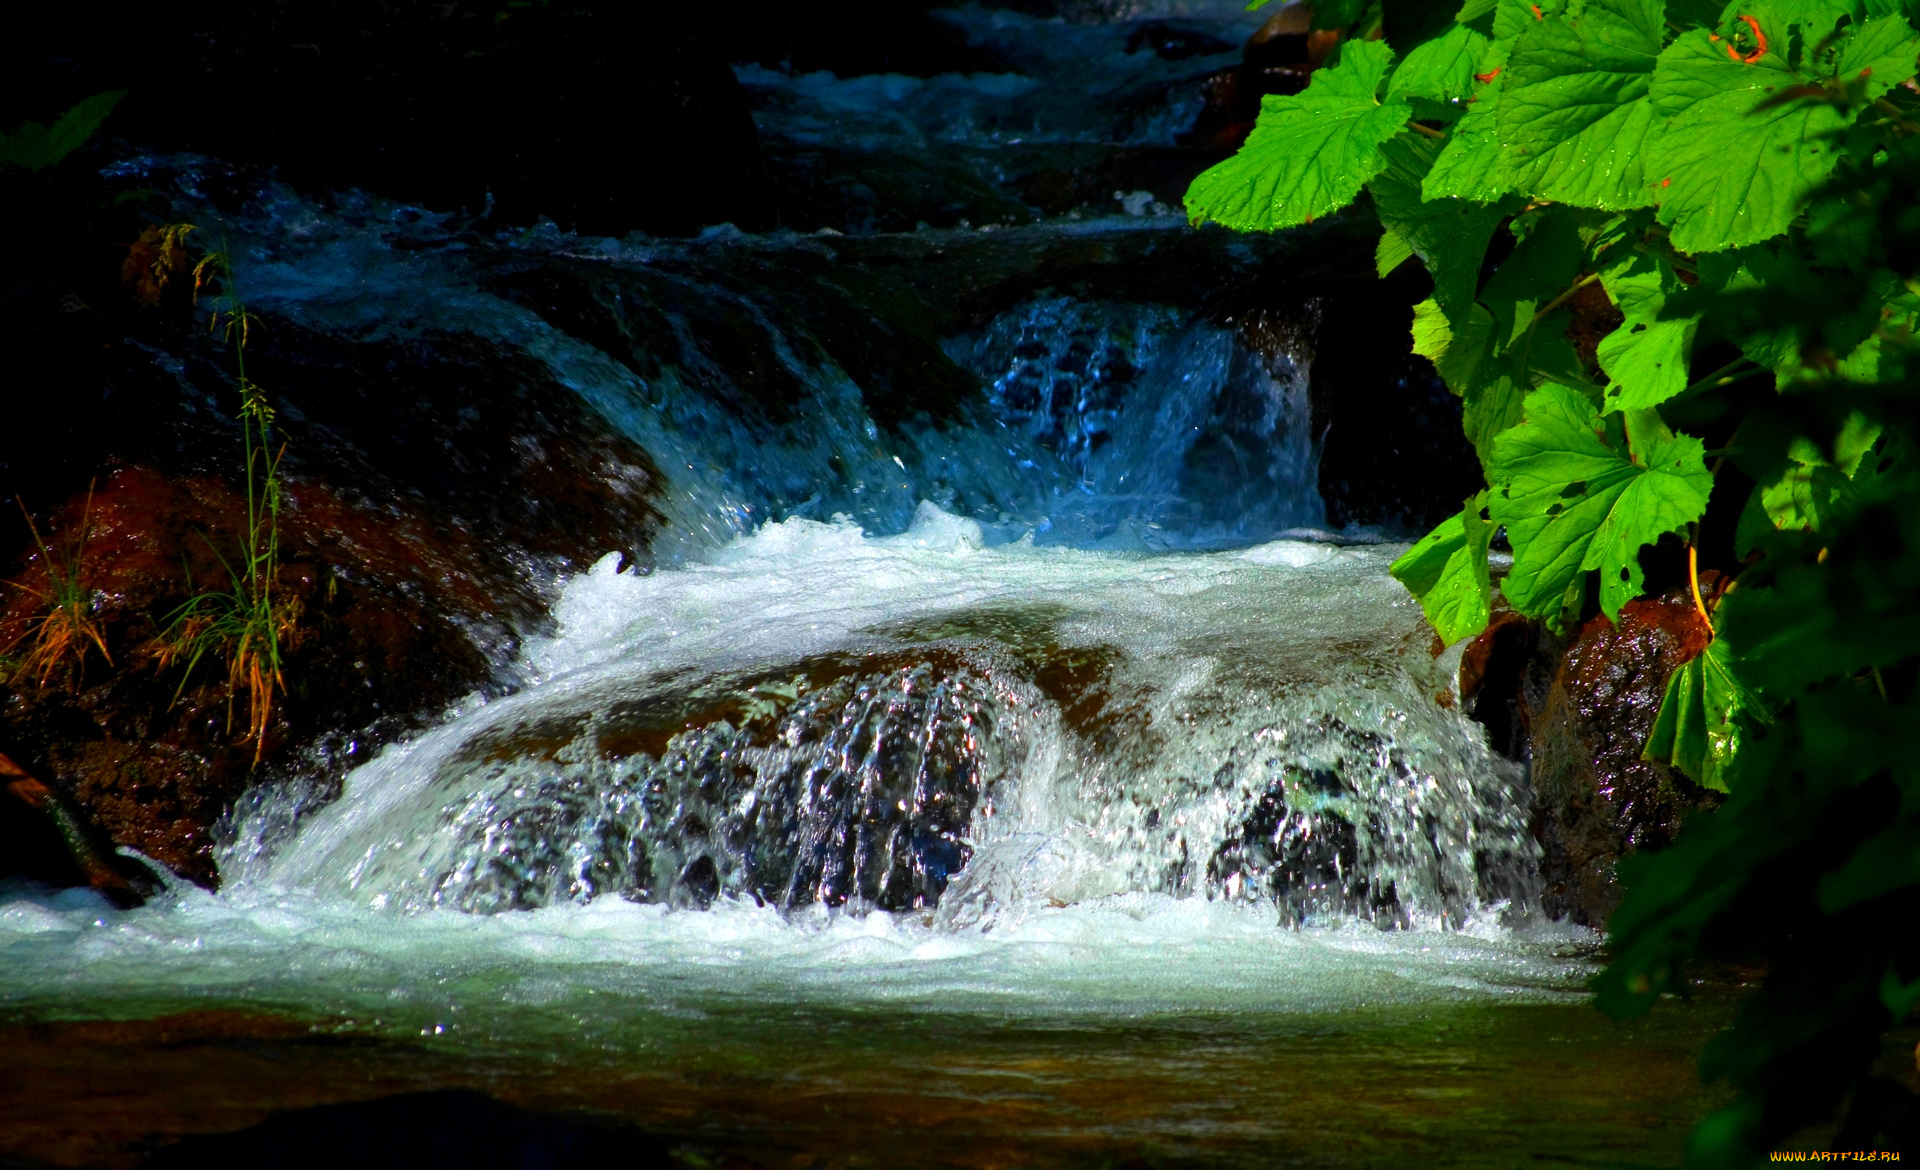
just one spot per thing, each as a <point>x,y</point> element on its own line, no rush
<point>820,716</point>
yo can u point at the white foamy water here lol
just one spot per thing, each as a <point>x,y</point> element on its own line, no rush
<point>525,975</point>
<point>1151,765</point>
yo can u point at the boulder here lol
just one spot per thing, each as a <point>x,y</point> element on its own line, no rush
<point>433,486</point>
<point>1579,713</point>
<point>1279,58</point>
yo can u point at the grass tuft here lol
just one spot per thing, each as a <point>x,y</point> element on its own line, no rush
<point>248,622</point>
<point>54,640</point>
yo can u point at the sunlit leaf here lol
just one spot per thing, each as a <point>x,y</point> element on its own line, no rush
<point>1572,501</point>
<point>1447,571</point>
<point>1309,154</point>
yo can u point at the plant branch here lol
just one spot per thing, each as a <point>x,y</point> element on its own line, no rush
<point>1720,378</point>
<point>1900,120</point>
<point>1563,298</point>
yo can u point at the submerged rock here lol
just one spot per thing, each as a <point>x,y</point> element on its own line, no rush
<point>840,781</point>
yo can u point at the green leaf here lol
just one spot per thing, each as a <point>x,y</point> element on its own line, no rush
<point>1493,382</point>
<point>1309,154</point>
<point>1469,165</point>
<point>1815,484</point>
<point>1390,253</point>
<point>35,147</point>
<point>1541,267</point>
<point>1698,728</point>
<point>1494,404</point>
<point>1886,862</point>
<point>1572,119</point>
<point>1449,235</point>
<point>1810,14</point>
<point>1433,340</point>
<point>1573,502</point>
<point>1752,527</point>
<point>1447,572</point>
<point>1442,69</point>
<point>1726,172</point>
<point>1686,14</point>
<point>1336,13</point>
<point>1646,356</point>
<point>1879,54</point>
<point>1511,18</point>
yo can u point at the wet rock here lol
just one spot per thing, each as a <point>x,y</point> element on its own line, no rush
<point>1279,58</point>
<point>153,755</point>
<point>1233,102</point>
<point>1505,675</point>
<point>1595,798</point>
<point>1307,862</point>
<point>753,355</point>
<point>1594,316</point>
<point>839,781</point>
<point>433,485</point>
<point>1392,454</point>
<point>1170,42</point>
<point>58,844</point>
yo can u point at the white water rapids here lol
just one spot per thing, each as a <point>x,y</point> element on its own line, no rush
<point>1187,778</point>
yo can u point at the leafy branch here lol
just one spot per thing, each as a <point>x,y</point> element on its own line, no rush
<point>1754,179</point>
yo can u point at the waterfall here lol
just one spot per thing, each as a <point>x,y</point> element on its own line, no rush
<point>821,716</point>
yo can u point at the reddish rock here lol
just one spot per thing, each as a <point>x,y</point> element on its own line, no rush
<point>1279,58</point>
<point>399,607</point>
<point>1595,798</point>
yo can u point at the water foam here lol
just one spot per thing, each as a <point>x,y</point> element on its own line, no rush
<point>1145,706</point>
<point>1260,725</point>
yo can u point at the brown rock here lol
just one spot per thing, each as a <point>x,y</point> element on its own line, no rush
<point>1595,798</point>
<point>1279,58</point>
<point>395,603</point>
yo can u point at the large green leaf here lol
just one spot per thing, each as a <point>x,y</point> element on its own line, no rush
<point>36,147</point>
<point>1309,154</point>
<point>1876,55</point>
<point>1441,70</point>
<point>1543,265</point>
<point>1814,616</point>
<point>1390,253</point>
<point>1574,498</point>
<point>1646,356</point>
<point>1740,151</point>
<point>1492,381</point>
<point>1816,484</point>
<point>1511,18</point>
<point>1447,571</point>
<point>1573,120</point>
<point>1699,725</point>
<point>1469,165</point>
<point>1449,235</point>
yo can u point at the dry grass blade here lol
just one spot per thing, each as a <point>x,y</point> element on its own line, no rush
<point>53,642</point>
<point>247,624</point>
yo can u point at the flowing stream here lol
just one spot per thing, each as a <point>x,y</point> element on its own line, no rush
<point>992,744</point>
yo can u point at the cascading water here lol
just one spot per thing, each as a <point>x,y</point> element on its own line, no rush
<point>991,663</point>
<point>816,715</point>
<point>982,589</point>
